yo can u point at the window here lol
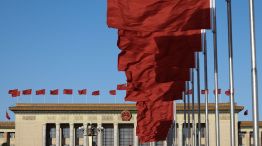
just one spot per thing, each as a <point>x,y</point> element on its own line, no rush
<point>79,133</point>
<point>159,143</point>
<point>1,134</point>
<point>108,135</point>
<point>66,133</point>
<point>126,132</point>
<point>12,135</point>
<point>52,132</point>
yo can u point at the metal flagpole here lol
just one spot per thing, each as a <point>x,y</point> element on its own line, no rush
<point>183,134</point>
<point>174,126</point>
<point>254,74</point>
<point>193,107</point>
<point>198,101</point>
<point>206,92</point>
<point>188,112</point>
<point>216,74</point>
<point>231,75</point>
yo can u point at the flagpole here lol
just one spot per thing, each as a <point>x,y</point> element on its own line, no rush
<point>175,121</point>
<point>193,107</point>
<point>198,99</point>
<point>216,74</point>
<point>184,99</point>
<point>231,75</point>
<point>31,99</point>
<point>254,74</point>
<point>188,112</point>
<point>72,98</point>
<point>206,92</point>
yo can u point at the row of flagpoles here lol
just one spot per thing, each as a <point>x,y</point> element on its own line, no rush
<point>217,91</point>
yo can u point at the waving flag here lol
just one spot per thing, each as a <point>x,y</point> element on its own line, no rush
<point>82,92</point>
<point>158,15</point>
<point>14,92</point>
<point>54,92</point>
<point>121,87</point>
<point>27,92</point>
<point>40,92</point>
<point>112,92</point>
<point>227,92</point>
<point>68,91</point>
<point>218,91</point>
<point>204,91</point>
<point>95,93</point>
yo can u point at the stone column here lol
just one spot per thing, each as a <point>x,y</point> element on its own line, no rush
<point>99,135</point>
<point>180,135</point>
<point>85,134</point>
<point>71,127</point>
<point>44,135</point>
<point>116,134</point>
<point>57,134</point>
<point>135,137</point>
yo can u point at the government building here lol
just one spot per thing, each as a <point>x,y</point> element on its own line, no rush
<point>109,125</point>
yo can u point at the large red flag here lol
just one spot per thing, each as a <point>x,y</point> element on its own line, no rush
<point>54,92</point>
<point>218,91</point>
<point>68,91</point>
<point>40,92</point>
<point>82,92</point>
<point>158,15</point>
<point>121,87</point>
<point>154,119</point>
<point>112,92</point>
<point>227,92</point>
<point>95,93</point>
<point>7,116</point>
<point>27,92</point>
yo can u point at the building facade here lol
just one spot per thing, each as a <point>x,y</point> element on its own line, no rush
<point>108,125</point>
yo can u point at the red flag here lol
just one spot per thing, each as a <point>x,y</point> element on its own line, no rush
<point>14,92</point>
<point>7,115</point>
<point>27,92</point>
<point>227,92</point>
<point>218,91</point>
<point>158,15</point>
<point>95,93</point>
<point>204,91</point>
<point>121,87</point>
<point>68,91</point>
<point>112,92</point>
<point>40,92</point>
<point>190,91</point>
<point>82,92</point>
<point>54,92</point>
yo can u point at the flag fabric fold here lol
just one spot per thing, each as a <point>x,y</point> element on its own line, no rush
<point>27,92</point>
<point>14,92</point>
<point>96,93</point>
<point>82,92</point>
<point>54,92</point>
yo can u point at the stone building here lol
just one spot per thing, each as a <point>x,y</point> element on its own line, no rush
<point>109,125</point>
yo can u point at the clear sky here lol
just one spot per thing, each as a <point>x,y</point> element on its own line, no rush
<point>66,44</point>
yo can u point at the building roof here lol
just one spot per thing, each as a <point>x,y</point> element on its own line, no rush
<point>248,124</point>
<point>7,125</point>
<point>223,107</point>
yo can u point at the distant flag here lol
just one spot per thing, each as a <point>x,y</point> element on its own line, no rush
<point>7,116</point>
<point>95,93</point>
<point>68,91</point>
<point>190,91</point>
<point>82,92</point>
<point>121,87</point>
<point>112,92</point>
<point>218,91</point>
<point>40,92</point>
<point>54,92</point>
<point>246,112</point>
<point>204,91</point>
<point>27,92</point>
<point>227,92</point>
<point>14,92</point>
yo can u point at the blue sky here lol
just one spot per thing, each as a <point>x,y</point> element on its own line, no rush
<point>66,44</point>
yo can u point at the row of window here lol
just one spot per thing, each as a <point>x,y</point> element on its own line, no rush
<point>9,135</point>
